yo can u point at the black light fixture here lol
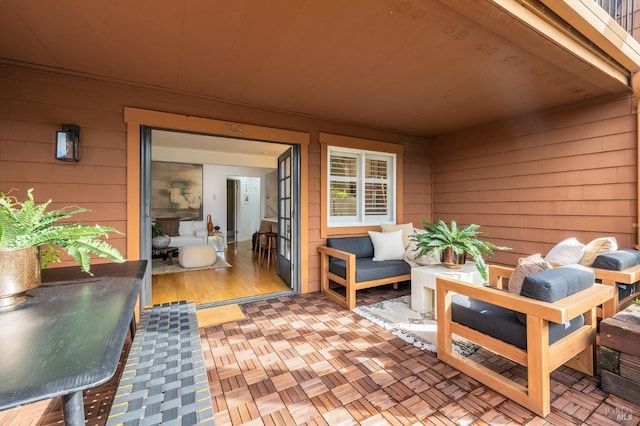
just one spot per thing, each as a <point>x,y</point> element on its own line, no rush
<point>67,141</point>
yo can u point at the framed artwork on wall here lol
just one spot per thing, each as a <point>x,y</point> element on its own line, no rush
<point>176,190</point>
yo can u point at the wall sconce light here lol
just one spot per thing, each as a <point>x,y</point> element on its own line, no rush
<point>67,141</point>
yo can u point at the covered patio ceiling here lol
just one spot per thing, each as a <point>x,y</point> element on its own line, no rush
<point>420,67</point>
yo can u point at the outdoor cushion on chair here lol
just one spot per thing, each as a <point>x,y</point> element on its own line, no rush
<point>549,285</point>
<point>619,269</point>
<point>617,260</point>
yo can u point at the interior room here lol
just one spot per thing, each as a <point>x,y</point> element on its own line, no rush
<point>238,193</point>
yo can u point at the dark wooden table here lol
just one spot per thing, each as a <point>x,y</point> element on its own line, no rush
<point>68,335</point>
<point>166,253</point>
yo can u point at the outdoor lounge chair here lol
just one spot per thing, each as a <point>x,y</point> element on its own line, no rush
<point>557,326</point>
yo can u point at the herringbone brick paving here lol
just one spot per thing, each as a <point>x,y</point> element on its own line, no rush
<point>305,360</point>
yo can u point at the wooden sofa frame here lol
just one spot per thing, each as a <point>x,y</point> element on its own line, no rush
<point>612,278</point>
<point>349,283</point>
<point>575,350</point>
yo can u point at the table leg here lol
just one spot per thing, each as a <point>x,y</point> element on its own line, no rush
<point>429,301</point>
<point>73,409</point>
<point>132,327</point>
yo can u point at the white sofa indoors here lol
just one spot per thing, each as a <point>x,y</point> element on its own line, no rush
<point>191,233</point>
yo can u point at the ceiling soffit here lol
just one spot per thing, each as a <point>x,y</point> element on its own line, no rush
<point>420,67</point>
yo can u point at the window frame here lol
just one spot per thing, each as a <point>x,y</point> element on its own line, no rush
<point>363,146</point>
<point>361,182</point>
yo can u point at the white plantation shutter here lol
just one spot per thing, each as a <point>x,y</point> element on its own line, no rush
<point>343,185</point>
<point>361,185</point>
<point>376,202</point>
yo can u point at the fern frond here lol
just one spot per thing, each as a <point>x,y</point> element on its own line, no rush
<point>27,224</point>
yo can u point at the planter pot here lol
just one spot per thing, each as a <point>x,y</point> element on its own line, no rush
<point>451,260</point>
<point>160,242</point>
<point>19,273</point>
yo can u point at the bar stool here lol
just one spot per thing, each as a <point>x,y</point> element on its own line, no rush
<point>269,248</point>
<point>260,242</point>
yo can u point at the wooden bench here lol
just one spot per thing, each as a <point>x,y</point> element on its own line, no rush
<point>164,379</point>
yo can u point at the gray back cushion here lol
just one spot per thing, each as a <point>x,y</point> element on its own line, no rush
<point>557,283</point>
<point>360,246</point>
<point>617,260</point>
<point>554,284</point>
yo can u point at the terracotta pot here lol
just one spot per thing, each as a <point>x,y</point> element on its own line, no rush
<point>19,273</point>
<point>451,260</point>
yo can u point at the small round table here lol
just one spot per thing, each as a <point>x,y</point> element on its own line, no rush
<point>166,253</point>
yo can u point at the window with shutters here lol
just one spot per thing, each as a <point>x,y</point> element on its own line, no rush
<point>361,187</point>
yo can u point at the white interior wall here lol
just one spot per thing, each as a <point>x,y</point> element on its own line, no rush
<point>214,179</point>
<point>214,194</point>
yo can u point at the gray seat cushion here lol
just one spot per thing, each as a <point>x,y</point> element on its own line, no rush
<point>502,323</point>
<point>368,269</point>
<point>509,326</point>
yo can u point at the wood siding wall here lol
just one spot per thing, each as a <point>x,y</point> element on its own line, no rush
<point>34,104</point>
<point>536,180</point>
<point>530,182</point>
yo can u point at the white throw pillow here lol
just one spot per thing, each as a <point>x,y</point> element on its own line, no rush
<point>387,245</point>
<point>566,252</point>
<point>597,247</point>
<point>407,231</point>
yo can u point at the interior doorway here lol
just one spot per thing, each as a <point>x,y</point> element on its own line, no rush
<point>233,189</point>
<point>245,204</point>
<point>243,207</point>
<point>139,123</point>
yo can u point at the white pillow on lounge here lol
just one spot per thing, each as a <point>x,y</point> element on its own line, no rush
<point>387,245</point>
<point>566,252</point>
<point>407,231</point>
<point>597,247</point>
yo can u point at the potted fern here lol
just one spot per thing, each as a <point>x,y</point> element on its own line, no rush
<point>452,243</point>
<point>31,238</point>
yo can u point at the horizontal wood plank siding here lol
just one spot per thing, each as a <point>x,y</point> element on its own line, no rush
<point>532,181</point>
<point>34,104</point>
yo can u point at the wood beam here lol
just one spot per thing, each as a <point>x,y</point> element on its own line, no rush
<point>535,14</point>
<point>595,24</point>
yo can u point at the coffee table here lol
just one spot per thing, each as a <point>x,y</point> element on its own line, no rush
<point>166,253</point>
<point>423,283</point>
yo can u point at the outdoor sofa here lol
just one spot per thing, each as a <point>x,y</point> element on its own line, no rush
<point>349,262</point>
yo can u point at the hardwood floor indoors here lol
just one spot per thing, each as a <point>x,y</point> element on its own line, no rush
<point>245,278</point>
